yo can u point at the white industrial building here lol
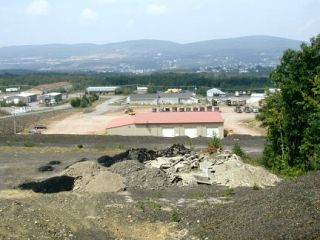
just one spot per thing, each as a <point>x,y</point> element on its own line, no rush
<point>51,98</point>
<point>102,89</point>
<point>21,97</point>
<point>163,98</point>
<point>213,92</point>
<point>142,90</point>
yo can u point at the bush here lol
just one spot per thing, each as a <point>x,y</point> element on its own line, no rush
<point>174,216</point>
<point>75,102</point>
<point>214,145</point>
<point>238,150</point>
<point>85,101</point>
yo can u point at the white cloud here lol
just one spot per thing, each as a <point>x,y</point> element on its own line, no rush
<point>38,7</point>
<point>89,14</point>
<point>156,9</point>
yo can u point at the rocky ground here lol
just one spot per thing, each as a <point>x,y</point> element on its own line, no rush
<point>130,195</point>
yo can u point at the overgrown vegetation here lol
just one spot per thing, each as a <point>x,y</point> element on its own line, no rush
<point>292,115</point>
<point>84,101</point>
<point>214,145</point>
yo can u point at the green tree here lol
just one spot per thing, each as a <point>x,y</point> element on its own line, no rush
<point>293,114</point>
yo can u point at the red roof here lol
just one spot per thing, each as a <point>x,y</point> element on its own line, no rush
<point>168,118</point>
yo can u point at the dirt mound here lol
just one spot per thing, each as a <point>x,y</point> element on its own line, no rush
<point>147,179</point>
<point>235,173</point>
<point>50,185</point>
<point>142,155</point>
<point>91,177</point>
<point>174,150</point>
<point>127,167</point>
<point>139,154</point>
<point>138,176</point>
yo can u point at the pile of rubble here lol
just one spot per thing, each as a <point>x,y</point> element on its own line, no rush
<point>190,168</point>
<point>178,165</point>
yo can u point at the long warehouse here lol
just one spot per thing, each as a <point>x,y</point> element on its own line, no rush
<point>169,124</point>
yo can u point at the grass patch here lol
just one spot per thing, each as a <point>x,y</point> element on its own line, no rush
<point>198,195</point>
<point>29,144</point>
<point>152,204</point>
<point>174,217</point>
<point>228,192</point>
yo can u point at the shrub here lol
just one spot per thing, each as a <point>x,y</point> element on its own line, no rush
<point>174,216</point>
<point>75,102</point>
<point>238,150</point>
<point>214,145</point>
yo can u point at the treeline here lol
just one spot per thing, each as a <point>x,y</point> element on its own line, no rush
<point>154,80</point>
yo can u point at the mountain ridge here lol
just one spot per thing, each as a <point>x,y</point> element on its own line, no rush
<point>147,54</point>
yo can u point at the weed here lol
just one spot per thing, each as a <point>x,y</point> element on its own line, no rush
<point>159,194</point>
<point>29,144</point>
<point>191,144</point>
<point>141,206</point>
<point>238,150</point>
<point>153,204</point>
<point>228,192</point>
<point>101,148</point>
<point>79,146</point>
<point>120,147</point>
<point>255,187</point>
<point>198,195</point>
<point>174,216</point>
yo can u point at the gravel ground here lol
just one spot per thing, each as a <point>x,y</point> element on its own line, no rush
<point>290,210</point>
<point>252,144</point>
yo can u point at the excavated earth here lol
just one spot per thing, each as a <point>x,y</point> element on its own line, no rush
<point>91,195</point>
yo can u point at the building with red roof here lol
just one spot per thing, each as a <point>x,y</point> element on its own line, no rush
<point>169,124</point>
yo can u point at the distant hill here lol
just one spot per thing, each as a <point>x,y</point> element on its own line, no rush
<point>148,55</point>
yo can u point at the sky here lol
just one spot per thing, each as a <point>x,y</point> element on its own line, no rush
<point>103,21</point>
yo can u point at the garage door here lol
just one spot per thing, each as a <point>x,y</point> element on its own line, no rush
<point>168,132</point>
<point>191,132</point>
<point>213,132</point>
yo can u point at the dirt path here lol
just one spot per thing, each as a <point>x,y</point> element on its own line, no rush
<point>86,123</point>
<point>237,122</point>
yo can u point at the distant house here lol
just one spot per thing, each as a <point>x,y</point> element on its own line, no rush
<point>22,97</point>
<point>215,92</point>
<point>50,87</point>
<point>102,89</point>
<point>13,89</point>
<point>51,98</point>
<point>142,90</point>
<point>169,124</point>
<point>163,98</point>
